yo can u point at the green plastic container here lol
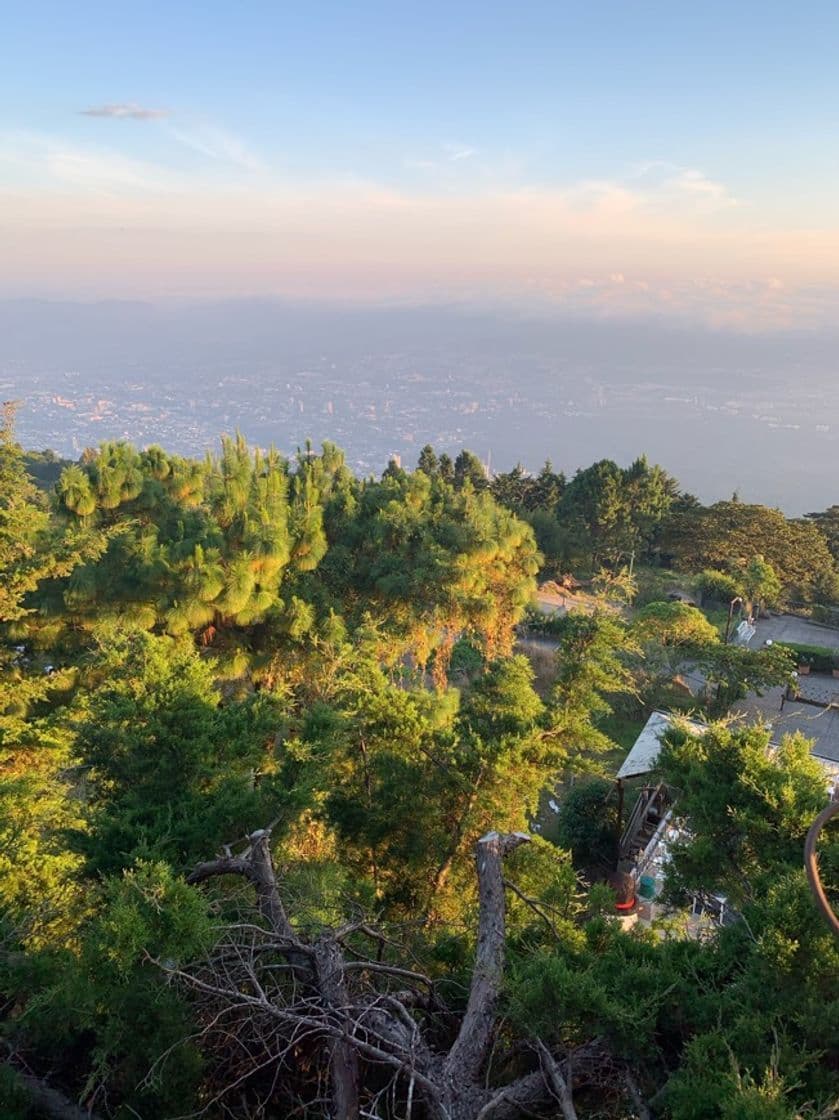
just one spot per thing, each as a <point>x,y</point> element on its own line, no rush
<point>646,886</point>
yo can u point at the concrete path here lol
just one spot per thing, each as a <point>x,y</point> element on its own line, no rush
<point>788,628</point>
<point>821,724</point>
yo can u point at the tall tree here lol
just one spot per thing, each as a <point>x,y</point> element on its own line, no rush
<point>727,535</point>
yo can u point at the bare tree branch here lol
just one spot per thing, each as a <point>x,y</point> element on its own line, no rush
<point>256,865</point>
<point>638,1102</point>
<point>343,1022</point>
<point>560,1087</point>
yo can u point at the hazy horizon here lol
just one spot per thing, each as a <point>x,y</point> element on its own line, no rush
<point>715,407</point>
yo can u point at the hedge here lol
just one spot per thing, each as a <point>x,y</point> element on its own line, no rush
<point>819,658</point>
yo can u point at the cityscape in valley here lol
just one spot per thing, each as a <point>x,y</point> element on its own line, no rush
<point>382,384</point>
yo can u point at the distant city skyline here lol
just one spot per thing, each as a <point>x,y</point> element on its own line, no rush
<point>605,158</point>
<point>714,407</point>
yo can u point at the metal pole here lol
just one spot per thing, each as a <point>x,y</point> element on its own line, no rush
<point>736,599</point>
<point>620,806</point>
<point>811,865</point>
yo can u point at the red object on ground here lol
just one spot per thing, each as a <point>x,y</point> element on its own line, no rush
<point>623,884</point>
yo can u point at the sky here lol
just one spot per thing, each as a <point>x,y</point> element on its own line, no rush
<point>618,158</point>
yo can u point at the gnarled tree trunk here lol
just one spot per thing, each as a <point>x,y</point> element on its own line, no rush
<point>374,1036</point>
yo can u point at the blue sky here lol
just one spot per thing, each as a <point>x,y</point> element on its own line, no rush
<point>703,131</point>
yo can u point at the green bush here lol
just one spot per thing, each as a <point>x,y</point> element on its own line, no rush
<point>466,657</point>
<point>819,658</point>
<point>586,822</point>
<point>827,616</point>
<point>549,625</point>
<point>717,585</point>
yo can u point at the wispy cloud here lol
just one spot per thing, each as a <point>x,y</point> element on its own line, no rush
<point>457,152</point>
<point>660,239</point>
<point>126,111</point>
<point>217,144</point>
<point>661,179</point>
<point>696,183</point>
<point>44,161</point>
<point>447,154</point>
<point>206,139</point>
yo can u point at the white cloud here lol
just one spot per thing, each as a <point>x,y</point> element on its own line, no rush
<point>664,238</point>
<point>660,181</point>
<point>457,152</point>
<point>44,162</point>
<point>697,184</point>
<point>125,111</point>
<point>206,139</point>
<point>442,159</point>
<point>216,144</point>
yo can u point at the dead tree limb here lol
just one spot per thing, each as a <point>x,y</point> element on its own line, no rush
<point>467,1055</point>
<point>560,1086</point>
<point>343,1056</point>
<point>353,1023</point>
<point>257,866</point>
<point>638,1102</point>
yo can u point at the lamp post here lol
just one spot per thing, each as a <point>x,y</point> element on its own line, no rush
<point>736,599</point>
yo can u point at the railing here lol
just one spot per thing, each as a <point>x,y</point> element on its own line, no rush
<point>651,797</point>
<point>645,858</point>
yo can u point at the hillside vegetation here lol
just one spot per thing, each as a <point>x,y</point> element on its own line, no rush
<point>270,761</point>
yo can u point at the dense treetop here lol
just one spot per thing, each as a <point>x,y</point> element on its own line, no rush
<point>258,715</point>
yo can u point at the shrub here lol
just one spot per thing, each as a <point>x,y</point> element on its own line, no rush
<point>827,616</point>
<point>586,823</point>
<point>717,585</point>
<point>466,657</point>
<point>549,625</point>
<point>819,658</point>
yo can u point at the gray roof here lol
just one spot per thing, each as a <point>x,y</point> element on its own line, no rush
<point>644,754</point>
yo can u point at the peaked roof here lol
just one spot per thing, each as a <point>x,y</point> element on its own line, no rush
<point>644,754</point>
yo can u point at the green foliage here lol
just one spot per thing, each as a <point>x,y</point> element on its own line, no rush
<point>112,999</point>
<point>673,624</point>
<point>44,468</point>
<point>191,650</point>
<point>415,778</point>
<point>466,657</point>
<point>586,823</point>
<point>39,894</point>
<point>721,587</point>
<point>31,548</point>
<point>822,659</point>
<point>167,764</point>
<point>591,671</point>
<point>827,522</point>
<point>734,671</point>
<point>16,1100</point>
<point>530,494</point>
<point>748,809</point>
<point>610,512</point>
<point>761,582</point>
<point>727,536</point>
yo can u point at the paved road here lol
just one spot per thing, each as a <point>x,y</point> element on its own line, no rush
<point>788,628</point>
<point>819,724</point>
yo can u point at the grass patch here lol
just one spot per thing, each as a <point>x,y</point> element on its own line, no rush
<point>655,584</point>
